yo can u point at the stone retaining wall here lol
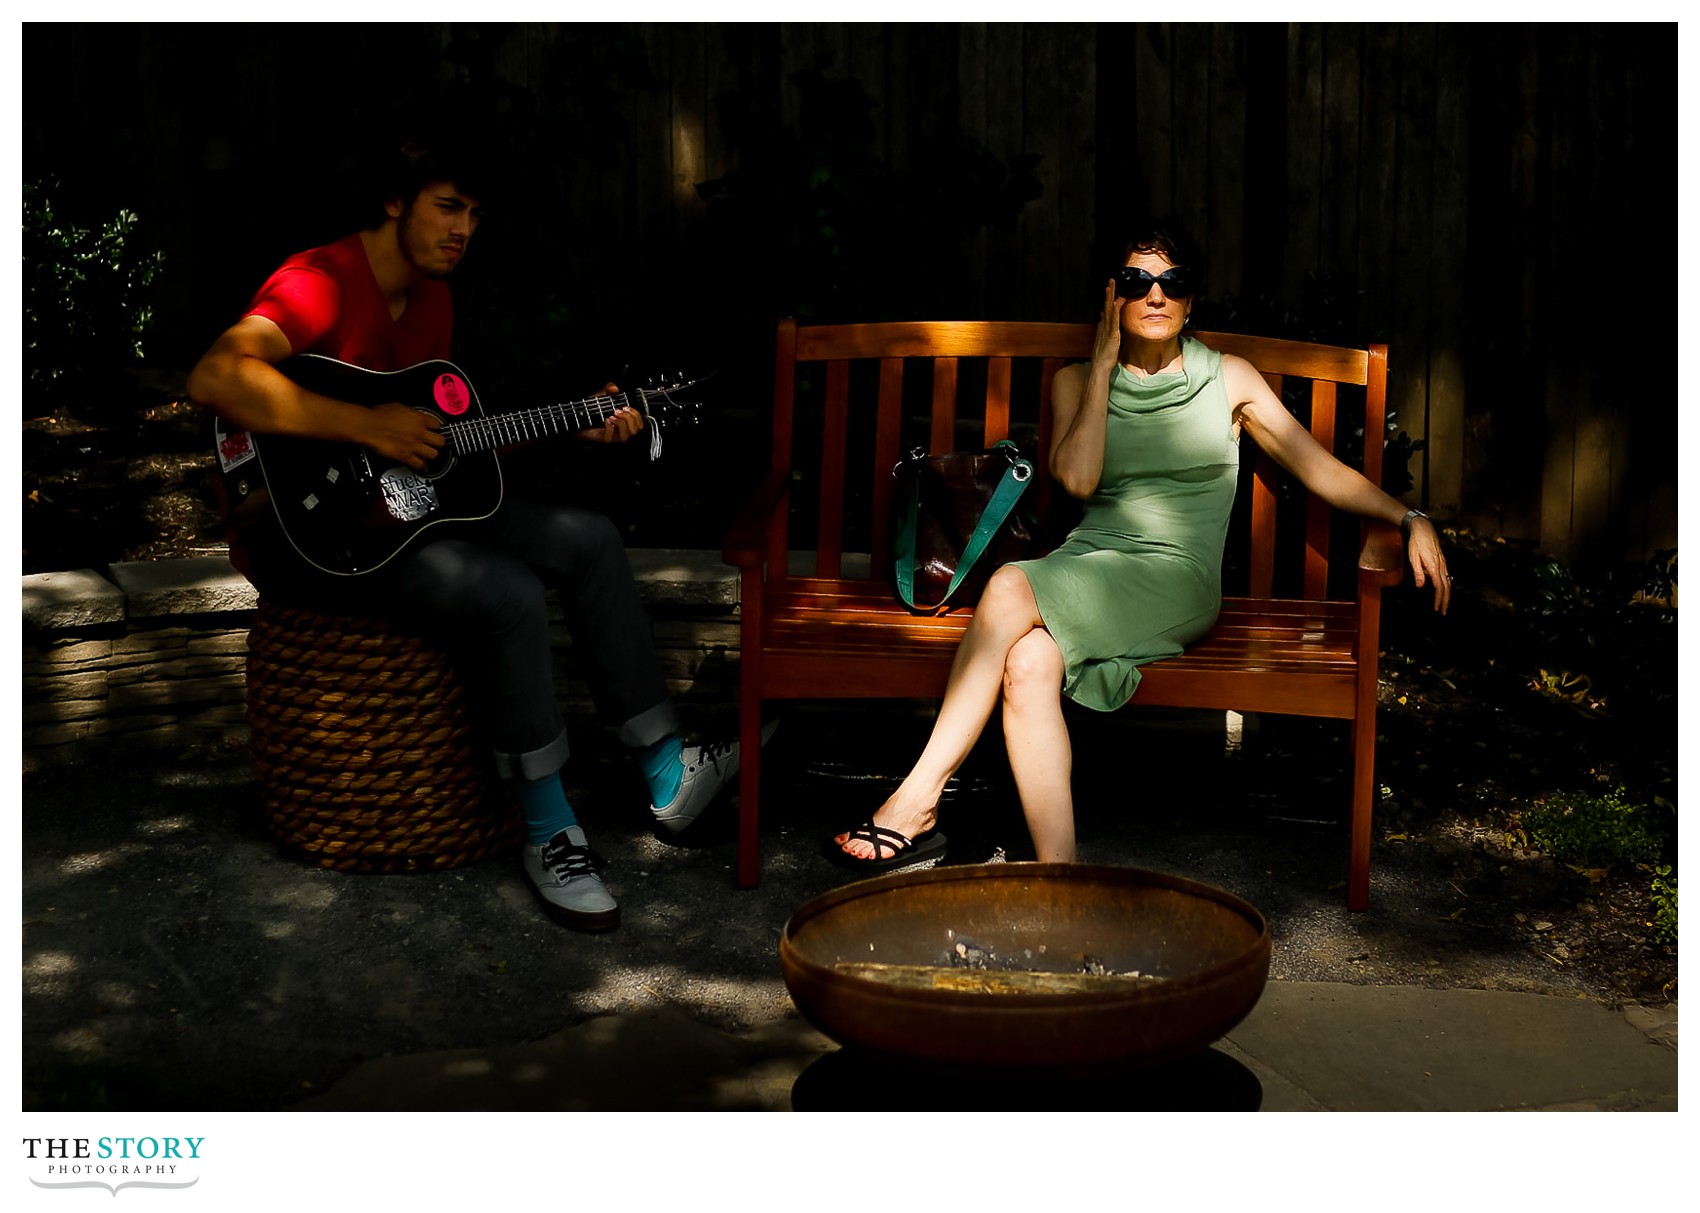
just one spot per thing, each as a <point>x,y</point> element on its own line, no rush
<point>155,652</point>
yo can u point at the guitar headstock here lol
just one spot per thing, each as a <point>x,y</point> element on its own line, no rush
<point>662,400</point>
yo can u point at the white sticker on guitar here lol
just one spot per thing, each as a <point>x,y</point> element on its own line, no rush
<point>234,449</point>
<point>407,496</point>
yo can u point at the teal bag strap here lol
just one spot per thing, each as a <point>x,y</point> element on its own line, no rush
<point>1004,497</point>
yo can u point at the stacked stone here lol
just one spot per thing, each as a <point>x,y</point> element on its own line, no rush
<point>154,654</point>
<point>156,650</point>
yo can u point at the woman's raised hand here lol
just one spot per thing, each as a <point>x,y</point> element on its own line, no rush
<point>1107,344</point>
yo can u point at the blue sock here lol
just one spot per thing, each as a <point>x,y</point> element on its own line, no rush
<point>664,766</point>
<point>547,812</point>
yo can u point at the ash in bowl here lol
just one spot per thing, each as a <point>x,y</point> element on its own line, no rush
<point>970,968</point>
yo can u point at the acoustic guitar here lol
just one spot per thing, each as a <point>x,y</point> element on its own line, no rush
<point>346,511</point>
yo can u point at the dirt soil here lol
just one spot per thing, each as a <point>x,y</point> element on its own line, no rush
<point>124,483</point>
<point>1533,685</point>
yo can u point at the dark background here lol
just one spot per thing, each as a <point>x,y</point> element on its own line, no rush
<point>1460,192</point>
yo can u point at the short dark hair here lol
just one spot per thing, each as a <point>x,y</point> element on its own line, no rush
<point>418,163</point>
<point>1168,238</point>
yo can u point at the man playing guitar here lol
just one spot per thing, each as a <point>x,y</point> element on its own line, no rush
<point>378,299</point>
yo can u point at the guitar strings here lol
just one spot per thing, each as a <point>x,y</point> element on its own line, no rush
<point>481,433</point>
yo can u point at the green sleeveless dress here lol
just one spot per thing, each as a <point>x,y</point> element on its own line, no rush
<point>1141,576</point>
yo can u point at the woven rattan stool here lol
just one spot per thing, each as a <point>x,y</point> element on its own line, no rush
<point>363,748</point>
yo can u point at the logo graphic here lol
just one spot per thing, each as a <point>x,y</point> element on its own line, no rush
<point>451,394</point>
<point>407,496</point>
<point>115,1163</point>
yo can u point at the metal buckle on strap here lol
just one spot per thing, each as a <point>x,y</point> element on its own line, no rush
<point>915,455</point>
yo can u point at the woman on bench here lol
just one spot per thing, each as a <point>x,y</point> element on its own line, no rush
<point>1147,435</point>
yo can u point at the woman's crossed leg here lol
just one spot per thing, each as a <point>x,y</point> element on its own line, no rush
<point>1003,653</point>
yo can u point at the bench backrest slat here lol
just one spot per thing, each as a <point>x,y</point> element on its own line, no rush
<point>943,438</point>
<point>784,414</point>
<point>1262,567</point>
<point>1047,487</point>
<point>998,371</point>
<point>945,339</point>
<point>1319,516</point>
<point>834,435</point>
<point>888,437</point>
<point>1375,411</point>
<point>937,365</point>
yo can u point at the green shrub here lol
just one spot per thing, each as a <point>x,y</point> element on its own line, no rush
<point>1664,905</point>
<point>1593,831</point>
<point>86,293</point>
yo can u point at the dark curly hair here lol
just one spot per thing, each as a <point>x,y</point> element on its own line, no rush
<point>421,160</point>
<point>1168,238</point>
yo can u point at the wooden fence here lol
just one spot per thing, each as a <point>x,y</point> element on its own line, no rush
<point>1459,191</point>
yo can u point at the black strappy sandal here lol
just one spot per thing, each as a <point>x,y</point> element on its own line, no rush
<point>921,851</point>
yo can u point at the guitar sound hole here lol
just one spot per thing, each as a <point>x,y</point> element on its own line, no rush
<point>445,458</point>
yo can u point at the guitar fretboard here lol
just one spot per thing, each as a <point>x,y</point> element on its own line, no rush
<point>504,429</point>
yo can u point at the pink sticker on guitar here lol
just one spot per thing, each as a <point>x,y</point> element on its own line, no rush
<point>452,394</point>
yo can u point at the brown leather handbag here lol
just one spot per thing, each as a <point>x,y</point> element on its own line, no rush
<point>959,517</point>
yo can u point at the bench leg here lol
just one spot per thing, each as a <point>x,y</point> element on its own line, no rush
<point>1363,805</point>
<point>1363,749</point>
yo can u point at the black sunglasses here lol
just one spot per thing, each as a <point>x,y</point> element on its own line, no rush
<point>1134,283</point>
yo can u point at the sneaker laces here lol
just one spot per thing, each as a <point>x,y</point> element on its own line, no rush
<point>712,752</point>
<point>564,860</point>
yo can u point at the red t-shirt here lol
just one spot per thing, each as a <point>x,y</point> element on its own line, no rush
<point>326,301</point>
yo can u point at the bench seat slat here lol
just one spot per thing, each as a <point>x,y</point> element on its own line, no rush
<point>860,622</point>
<point>1320,659</point>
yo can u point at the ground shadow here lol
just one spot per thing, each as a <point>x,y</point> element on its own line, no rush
<point>852,1080</point>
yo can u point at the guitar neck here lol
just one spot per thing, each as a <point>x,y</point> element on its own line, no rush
<point>528,425</point>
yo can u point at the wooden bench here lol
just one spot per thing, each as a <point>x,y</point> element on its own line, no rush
<point>849,400</point>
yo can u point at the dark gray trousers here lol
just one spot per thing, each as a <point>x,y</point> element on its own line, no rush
<point>479,588</point>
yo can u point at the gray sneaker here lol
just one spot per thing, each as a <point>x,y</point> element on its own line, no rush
<point>708,769</point>
<point>563,870</point>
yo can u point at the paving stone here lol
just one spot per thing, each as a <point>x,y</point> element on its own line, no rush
<point>681,577</point>
<point>1659,1023</point>
<point>78,599</point>
<point>194,585</point>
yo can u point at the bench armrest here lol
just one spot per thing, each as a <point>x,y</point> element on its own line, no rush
<point>746,541</point>
<point>1381,560</point>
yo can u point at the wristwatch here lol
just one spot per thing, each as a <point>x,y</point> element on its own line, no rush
<point>1405,522</point>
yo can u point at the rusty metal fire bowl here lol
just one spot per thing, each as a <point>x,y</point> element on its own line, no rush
<point>1178,964</point>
